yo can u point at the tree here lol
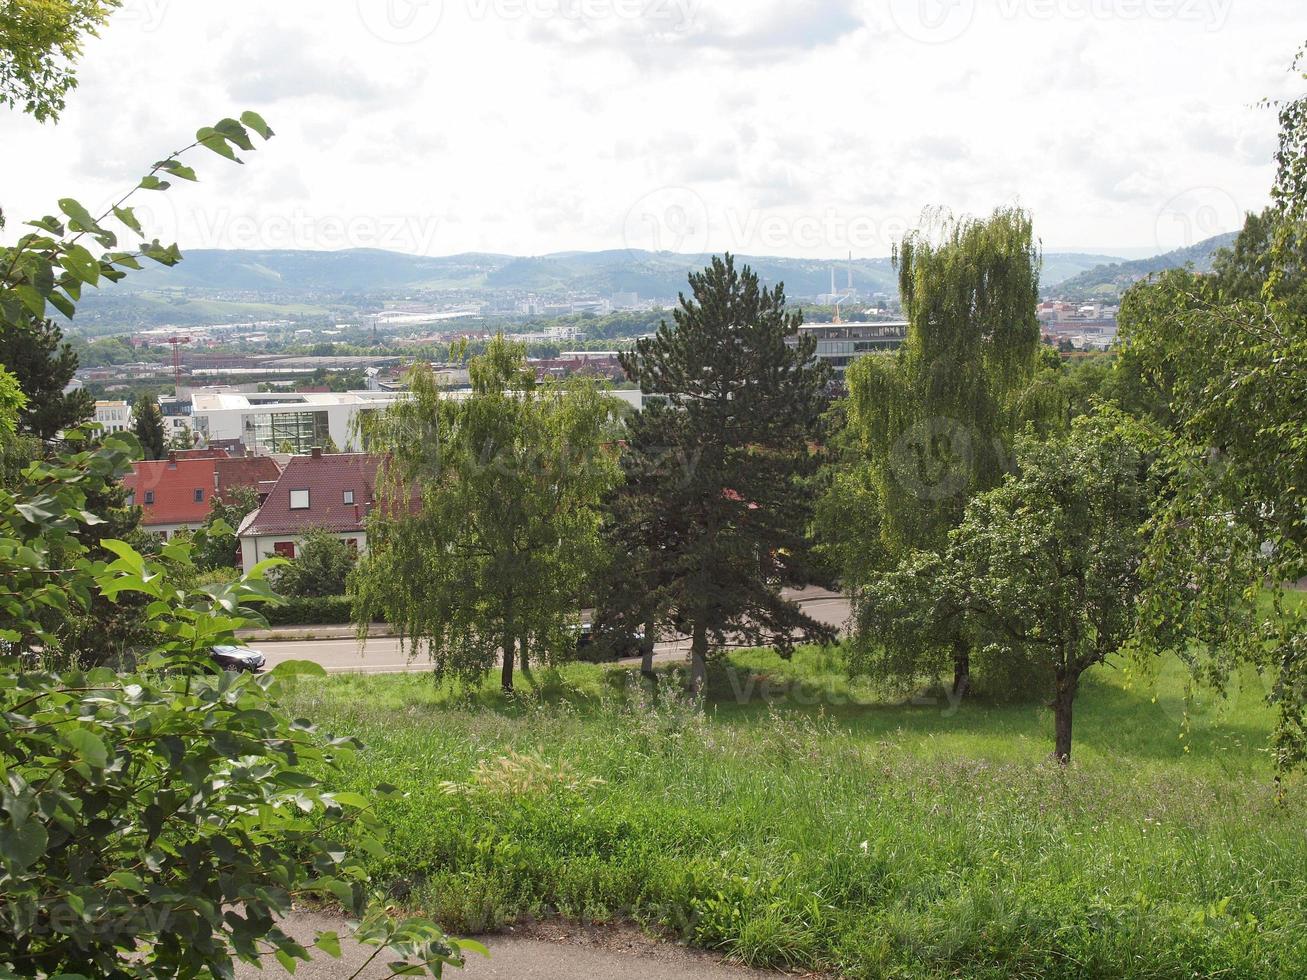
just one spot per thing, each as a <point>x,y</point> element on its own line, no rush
<point>33,349</point>
<point>934,424</point>
<point>1228,356</point>
<point>217,546</point>
<point>487,517</point>
<point>733,398</point>
<point>147,423</point>
<point>1044,569</point>
<point>40,41</point>
<point>321,567</point>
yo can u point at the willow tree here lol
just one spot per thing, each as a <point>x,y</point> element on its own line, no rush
<point>933,424</point>
<point>487,514</point>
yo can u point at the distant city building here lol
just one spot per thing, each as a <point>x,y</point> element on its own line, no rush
<point>264,422</point>
<point>113,416</point>
<point>840,344</point>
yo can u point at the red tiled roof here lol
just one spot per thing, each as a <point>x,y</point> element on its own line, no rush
<point>199,454</point>
<point>326,478</point>
<point>245,471</point>
<point>173,484</point>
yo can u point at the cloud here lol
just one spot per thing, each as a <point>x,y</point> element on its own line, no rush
<point>286,64</point>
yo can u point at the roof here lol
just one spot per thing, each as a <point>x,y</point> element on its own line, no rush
<point>174,482</point>
<point>245,471</point>
<point>326,477</point>
<point>199,454</point>
<point>204,402</point>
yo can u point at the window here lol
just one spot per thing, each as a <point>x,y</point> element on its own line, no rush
<point>284,549</point>
<point>349,497</point>
<point>299,500</point>
<point>131,500</point>
<point>199,495</point>
<point>149,496</point>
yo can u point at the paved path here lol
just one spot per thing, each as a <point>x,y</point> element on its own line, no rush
<point>382,655</point>
<point>593,955</point>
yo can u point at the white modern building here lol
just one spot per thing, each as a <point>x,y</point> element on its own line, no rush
<point>264,422</point>
<point>113,416</point>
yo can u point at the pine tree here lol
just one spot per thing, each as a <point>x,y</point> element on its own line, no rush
<point>34,352</point>
<point>148,426</point>
<point>733,396</point>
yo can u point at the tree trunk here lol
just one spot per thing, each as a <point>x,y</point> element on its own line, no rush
<point>1063,701</point>
<point>506,675</point>
<point>961,667</point>
<point>524,648</point>
<point>647,649</point>
<point>699,660</point>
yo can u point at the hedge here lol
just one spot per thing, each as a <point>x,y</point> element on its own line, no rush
<point>319,611</point>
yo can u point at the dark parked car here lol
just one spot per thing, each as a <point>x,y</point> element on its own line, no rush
<point>238,659</point>
<point>594,647</point>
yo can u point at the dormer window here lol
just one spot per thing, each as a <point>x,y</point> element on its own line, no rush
<point>299,500</point>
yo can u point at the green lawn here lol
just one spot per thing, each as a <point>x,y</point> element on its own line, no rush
<point>823,829</point>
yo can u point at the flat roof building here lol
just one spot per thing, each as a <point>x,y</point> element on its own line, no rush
<point>840,344</point>
<point>265,422</point>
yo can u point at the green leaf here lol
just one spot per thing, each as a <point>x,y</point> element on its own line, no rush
<point>128,217</point>
<point>329,943</point>
<point>81,263</point>
<point>32,299</point>
<point>80,218</point>
<point>23,845</point>
<point>88,746</point>
<point>152,183</point>
<point>255,122</point>
<point>211,139</point>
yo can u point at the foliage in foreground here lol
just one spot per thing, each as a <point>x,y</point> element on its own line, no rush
<point>158,823</point>
<point>863,838</point>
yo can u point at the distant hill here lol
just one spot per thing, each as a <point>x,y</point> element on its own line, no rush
<point>1109,281</point>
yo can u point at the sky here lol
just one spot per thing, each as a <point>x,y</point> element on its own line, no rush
<point>809,128</point>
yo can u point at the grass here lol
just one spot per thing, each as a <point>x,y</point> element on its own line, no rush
<point>800,822</point>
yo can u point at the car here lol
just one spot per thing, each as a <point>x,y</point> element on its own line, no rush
<point>593,647</point>
<point>238,658</point>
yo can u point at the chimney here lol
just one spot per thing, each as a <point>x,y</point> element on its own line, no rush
<point>317,452</point>
<point>172,455</point>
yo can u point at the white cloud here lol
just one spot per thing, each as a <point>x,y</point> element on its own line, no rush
<point>807,127</point>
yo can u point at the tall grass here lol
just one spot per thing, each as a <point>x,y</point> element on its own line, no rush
<point>799,823</point>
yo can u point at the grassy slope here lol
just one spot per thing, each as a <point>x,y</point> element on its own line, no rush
<point>862,838</point>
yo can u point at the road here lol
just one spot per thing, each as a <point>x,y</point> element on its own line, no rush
<point>382,655</point>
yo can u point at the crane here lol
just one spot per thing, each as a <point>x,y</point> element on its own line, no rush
<point>177,343</point>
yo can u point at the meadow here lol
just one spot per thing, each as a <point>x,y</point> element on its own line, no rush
<point>806,823</point>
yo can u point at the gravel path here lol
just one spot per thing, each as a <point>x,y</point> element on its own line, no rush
<point>548,952</point>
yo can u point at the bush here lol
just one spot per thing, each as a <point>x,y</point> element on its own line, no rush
<point>336,610</point>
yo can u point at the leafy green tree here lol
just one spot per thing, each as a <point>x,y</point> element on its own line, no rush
<point>1044,569</point>
<point>147,423</point>
<point>321,567</point>
<point>487,519</point>
<point>934,424</point>
<point>1230,361</point>
<point>44,365</point>
<point>733,399</point>
<point>218,546</point>
<point>40,40</point>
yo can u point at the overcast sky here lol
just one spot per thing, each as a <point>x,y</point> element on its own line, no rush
<point>783,127</point>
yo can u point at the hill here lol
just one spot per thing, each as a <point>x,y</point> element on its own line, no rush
<point>1109,281</point>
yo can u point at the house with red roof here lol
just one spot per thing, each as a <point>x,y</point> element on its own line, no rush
<point>323,491</point>
<point>177,493</point>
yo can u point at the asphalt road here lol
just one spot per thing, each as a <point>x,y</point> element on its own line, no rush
<point>612,955</point>
<point>382,655</point>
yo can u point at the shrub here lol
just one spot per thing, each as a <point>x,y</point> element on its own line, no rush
<point>335,610</point>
